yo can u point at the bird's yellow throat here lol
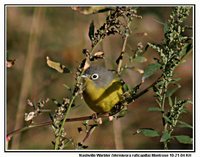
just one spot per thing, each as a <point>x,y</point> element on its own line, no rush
<point>102,99</point>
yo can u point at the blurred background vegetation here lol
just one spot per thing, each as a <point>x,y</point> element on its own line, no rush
<point>32,33</point>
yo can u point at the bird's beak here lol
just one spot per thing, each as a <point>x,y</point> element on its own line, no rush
<point>84,76</point>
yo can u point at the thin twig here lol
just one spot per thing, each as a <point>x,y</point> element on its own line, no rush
<point>117,124</point>
<point>76,90</point>
<point>89,132</point>
<point>120,58</point>
<point>11,134</point>
<point>57,140</point>
<point>47,123</point>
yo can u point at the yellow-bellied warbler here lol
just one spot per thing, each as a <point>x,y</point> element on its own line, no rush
<point>102,89</point>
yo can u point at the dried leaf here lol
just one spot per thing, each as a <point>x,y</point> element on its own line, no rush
<point>99,120</point>
<point>110,118</point>
<point>29,103</point>
<point>87,65</point>
<point>91,10</point>
<point>29,116</point>
<point>91,31</point>
<point>99,54</point>
<point>10,63</point>
<point>57,66</point>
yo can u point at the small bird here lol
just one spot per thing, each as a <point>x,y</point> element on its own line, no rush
<point>102,90</point>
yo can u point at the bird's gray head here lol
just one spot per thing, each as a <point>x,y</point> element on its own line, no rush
<point>99,75</point>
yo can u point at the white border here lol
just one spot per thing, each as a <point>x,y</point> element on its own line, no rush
<point>61,2</point>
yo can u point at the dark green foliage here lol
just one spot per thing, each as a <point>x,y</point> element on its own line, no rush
<point>148,132</point>
<point>154,109</point>
<point>171,52</point>
<point>139,59</point>
<point>165,136</point>
<point>150,70</point>
<point>184,139</point>
<point>182,124</point>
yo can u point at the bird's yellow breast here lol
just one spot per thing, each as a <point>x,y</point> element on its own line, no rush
<point>102,99</point>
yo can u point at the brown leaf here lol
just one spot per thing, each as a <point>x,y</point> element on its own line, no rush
<point>99,54</point>
<point>57,66</point>
<point>87,65</point>
<point>91,10</point>
<point>10,63</point>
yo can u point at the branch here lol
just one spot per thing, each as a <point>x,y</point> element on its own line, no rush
<point>120,58</point>
<point>47,123</point>
<point>91,117</point>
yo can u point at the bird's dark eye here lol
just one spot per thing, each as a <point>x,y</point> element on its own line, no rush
<point>94,76</point>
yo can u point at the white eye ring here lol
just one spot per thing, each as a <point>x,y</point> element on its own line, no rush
<point>94,76</point>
